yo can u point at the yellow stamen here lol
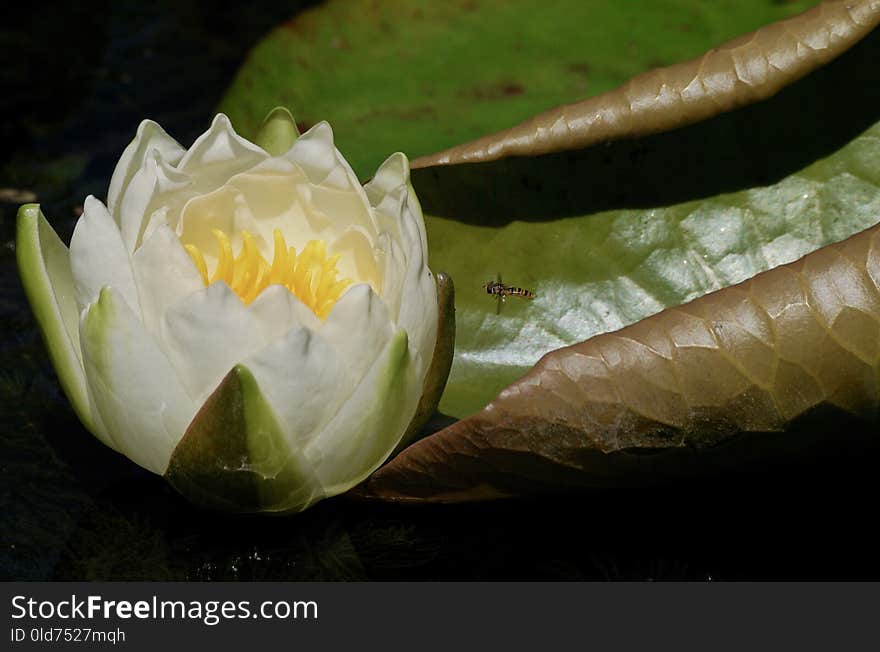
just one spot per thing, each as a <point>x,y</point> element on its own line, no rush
<point>199,260</point>
<point>311,275</point>
<point>224,261</point>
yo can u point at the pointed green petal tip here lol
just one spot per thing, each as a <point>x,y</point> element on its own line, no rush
<point>278,132</point>
<point>234,457</point>
<point>29,211</point>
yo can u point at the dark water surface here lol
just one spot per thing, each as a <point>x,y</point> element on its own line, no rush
<point>80,80</point>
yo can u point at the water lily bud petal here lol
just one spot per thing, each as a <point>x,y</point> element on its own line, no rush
<point>315,153</point>
<point>155,178</point>
<point>392,197</point>
<point>150,138</point>
<point>306,401</point>
<point>164,274</point>
<point>221,146</point>
<point>206,334</point>
<point>371,422</point>
<point>441,361</point>
<point>141,402</point>
<point>98,257</point>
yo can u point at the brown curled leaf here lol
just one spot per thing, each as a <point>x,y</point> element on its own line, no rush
<point>745,70</point>
<point>784,364</point>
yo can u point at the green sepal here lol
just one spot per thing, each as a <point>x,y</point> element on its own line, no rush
<point>44,266</point>
<point>278,132</point>
<point>235,458</point>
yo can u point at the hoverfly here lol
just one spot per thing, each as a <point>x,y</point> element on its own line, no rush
<point>502,291</point>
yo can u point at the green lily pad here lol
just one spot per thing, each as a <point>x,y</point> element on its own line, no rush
<point>609,235</point>
<point>419,75</point>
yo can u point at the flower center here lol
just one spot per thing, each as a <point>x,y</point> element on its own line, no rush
<point>311,275</point>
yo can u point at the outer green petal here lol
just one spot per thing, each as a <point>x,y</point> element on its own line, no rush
<point>44,265</point>
<point>234,456</point>
<point>371,423</point>
<point>278,133</point>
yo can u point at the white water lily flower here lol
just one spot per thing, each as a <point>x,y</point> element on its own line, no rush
<point>255,326</point>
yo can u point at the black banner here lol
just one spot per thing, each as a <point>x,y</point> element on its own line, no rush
<point>538,616</point>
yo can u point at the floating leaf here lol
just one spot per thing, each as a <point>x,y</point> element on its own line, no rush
<point>420,75</point>
<point>612,234</point>
<point>756,371</point>
<point>742,71</point>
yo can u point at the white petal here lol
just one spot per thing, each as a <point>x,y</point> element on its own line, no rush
<point>357,259</point>
<point>391,175</point>
<point>278,311</point>
<point>299,375</point>
<point>164,274</point>
<point>206,334</point>
<point>345,208</point>
<point>44,266</point>
<point>316,154</point>
<point>370,424</point>
<point>220,152</point>
<point>271,194</point>
<point>391,195</point>
<point>257,203</point>
<point>98,257</point>
<point>418,308</point>
<point>358,327</point>
<point>150,136</point>
<point>386,192</point>
<point>139,397</point>
<point>223,209</point>
<point>412,209</point>
<point>393,262</point>
<point>155,178</point>
<point>276,165</point>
